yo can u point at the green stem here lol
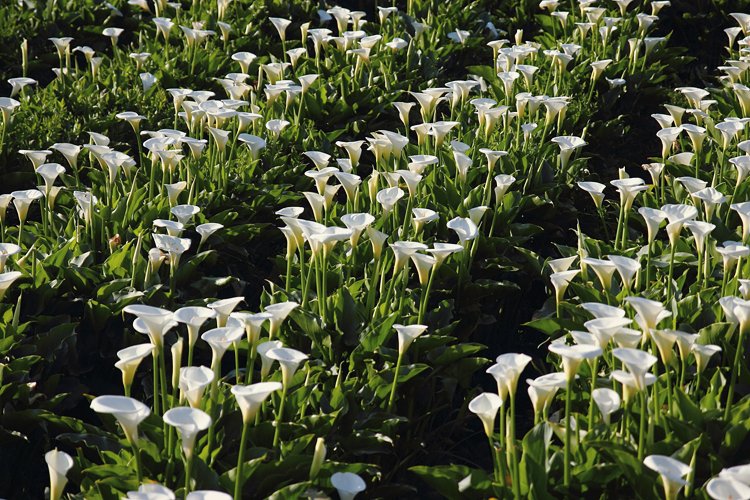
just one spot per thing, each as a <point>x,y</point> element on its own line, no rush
<point>138,466</point>
<point>240,462</point>
<point>594,370</point>
<point>156,382</point>
<point>277,432</point>
<point>566,453</point>
<point>735,370</point>
<point>642,427</point>
<point>392,397</point>
<point>512,445</point>
<point>188,473</point>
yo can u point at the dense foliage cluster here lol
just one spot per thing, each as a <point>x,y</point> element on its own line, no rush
<point>257,249</point>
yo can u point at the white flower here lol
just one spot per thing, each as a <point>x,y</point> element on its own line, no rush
<point>59,463</point>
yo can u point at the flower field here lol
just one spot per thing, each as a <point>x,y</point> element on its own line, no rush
<point>461,249</point>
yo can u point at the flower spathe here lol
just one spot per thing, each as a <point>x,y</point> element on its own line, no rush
<point>189,422</point>
<point>573,355</point>
<point>224,308</point>
<point>220,339</point>
<point>637,362</point>
<point>347,484</point>
<point>465,229</point>
<point>155,319</point>
<point>607,400</point>
<point>208,495</point>
<point>58,463</point>
<point>485,406</point>
<point>671,471</point>
<point>542,390</point>
<point>6,280</point>
<point>193,382</point>
<point>279,312</point>
<point>726,488</point>
<point>130,358</point>
<point>289,359</point>
<point>129,413</point>
<point>407,335</point>
<point>251,397</point>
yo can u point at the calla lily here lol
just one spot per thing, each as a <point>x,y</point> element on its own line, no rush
<point>8,107</point>
<point>542,390</point>
<point>604,270</point>
<point>388,198</point>
<point>58,463</point>
<point>629,189</point>
<point>562,264</point>
<point>189,422</point>
<point>442,251</point>
<point>155,319</point>
<point>206,230</point>
<point>402,250</point>
<point>739,472</point>
<point>725,488</point>
<point>128,412</point>
<point>465,229</point>
<point>36,157</point>
<point>69,151</point>
<point>253,324</point>
<point>254,143</point>
<point>7,250</point>
<point>560,282</point>
<point>184,213</point>
<point>275,126</point>
<point>710,198</point>
<point>224,308</point>
<point>220,339</point>
<point>193,383</point>
<point>485,406</point>
<point>568,144</point>
<point>423,264</point>
<point>629,383</point>
<point>605,329</point>
<point>421,217</point>
<point>703,354</point>
<point>208,495</point>
<point>596,190</point>
<point>608,402</point>
<point>281,25</point>
<point>279,313</point>
<point>347,484</point>
<point>671,471</point>
<point>49,172</point>
<point>573,355</point>
<point>407,335</point>
<point>174,190</point>
<point>603,310</point>
<point>129,360</point>
<point>193,318</point>
<point>513,365</point>
<point>637,362</point>
<point>23,200</point>
<point>289,359</point>
<point>743,210</point>
<point>350,182</point>
<point>250,398</point>
<point>700,231</point>
<point>173,245</point>
<point>650,312</point>
<point>626,268</point>
<point>267,362</point>
<point>173,228</point>
<point>151,491</point>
